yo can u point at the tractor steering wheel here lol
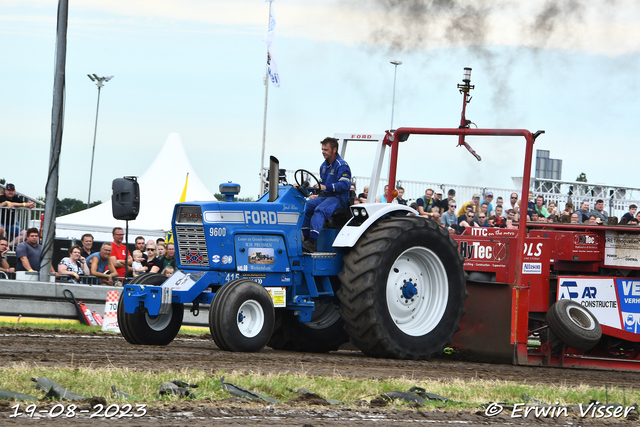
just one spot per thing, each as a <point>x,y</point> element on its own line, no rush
<point>300,182</point>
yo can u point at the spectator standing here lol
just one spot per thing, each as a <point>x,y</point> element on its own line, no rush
<point>539,207</point>
<point>102,266</point>
<point>363,196</point>
<point>87,245</point>
<point>467,221</point>
<point>449,219</point>
<point>141,246</point>
<point>631,214</point>
<point>167,260</point>
<point>568,209</point>
<point>74,265</point>
<point>599,212</point>
<point>451,194</point>
<point>8,216</point>
<point>484,209</point>
<point>400,199</point>
<point>583,212</point>
<point>488,198</point>
<point>482,220</point>
<point>513,204</point>
<point>440,203</point>
<point>499,201</point>
<point>426,204</point>
<point>152,259</point>
<point>29,252</point>
<point>474,203</point>
<point>383,197</point>
<point>118,252</point>
<point>161,249</point>
<point>4,248</point>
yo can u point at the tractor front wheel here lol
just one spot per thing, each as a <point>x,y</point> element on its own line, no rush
<point>241,317</point>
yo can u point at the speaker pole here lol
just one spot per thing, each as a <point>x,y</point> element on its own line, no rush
<point>126,250</point>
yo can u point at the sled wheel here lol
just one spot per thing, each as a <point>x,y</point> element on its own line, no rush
<point>403,289</point>
<point>325,332</point>
<point>242,316</point>
<point>574,325</point>
<point>140,327</point>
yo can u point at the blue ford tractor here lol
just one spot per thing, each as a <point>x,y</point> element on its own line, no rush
<point>389,281</point>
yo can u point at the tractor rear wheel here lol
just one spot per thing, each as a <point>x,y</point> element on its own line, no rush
<point>241,317</point>
<point>140,327</point>
<point>403,289</point>
<point>325,332</point>
<point>574,325</point>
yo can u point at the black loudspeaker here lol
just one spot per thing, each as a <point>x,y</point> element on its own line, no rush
<point>125,201</point>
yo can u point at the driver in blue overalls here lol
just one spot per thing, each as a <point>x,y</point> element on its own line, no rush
<point>335,183</point>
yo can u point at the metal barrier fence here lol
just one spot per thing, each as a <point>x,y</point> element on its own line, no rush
<point>23,218</point>
<point>47,300</point>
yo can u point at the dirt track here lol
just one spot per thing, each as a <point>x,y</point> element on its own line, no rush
<point>49,349</point>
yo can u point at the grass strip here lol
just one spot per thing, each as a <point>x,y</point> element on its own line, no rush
<point>74,326</point>
<point>143,385</point>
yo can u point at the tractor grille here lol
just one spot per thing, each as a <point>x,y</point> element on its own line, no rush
<point>193,246</point>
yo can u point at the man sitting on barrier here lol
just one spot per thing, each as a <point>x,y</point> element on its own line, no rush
<point>29,251</point>
<point>335,182</point>
<point>102,266</point>
<point>4,248</point>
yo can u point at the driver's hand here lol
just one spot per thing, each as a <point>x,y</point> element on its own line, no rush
<point>313,196</point>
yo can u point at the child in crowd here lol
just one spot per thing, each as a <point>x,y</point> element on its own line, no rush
<point>137,266</point>
<point>168,271</point>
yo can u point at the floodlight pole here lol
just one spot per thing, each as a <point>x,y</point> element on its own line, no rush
<point>100,82</point>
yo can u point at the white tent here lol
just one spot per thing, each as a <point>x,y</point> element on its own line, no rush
<point>158,196</point>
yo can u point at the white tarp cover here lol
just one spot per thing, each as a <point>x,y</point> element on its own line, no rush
<point>160,189</point>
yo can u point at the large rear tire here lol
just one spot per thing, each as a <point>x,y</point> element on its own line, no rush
<point>403,289</point>
<point>325,332</point>
<point>241,317</point>
<point>140,327</point>
<point>574,325</point>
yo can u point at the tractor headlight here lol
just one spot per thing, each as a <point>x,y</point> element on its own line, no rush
<point>356,212</point>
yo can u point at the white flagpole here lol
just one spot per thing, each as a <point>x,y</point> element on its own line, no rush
<point>264,121</point>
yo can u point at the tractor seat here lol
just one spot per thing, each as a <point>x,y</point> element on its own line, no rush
<point>339,217</point>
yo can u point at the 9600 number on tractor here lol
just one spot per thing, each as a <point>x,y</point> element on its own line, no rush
<point>393,283</point>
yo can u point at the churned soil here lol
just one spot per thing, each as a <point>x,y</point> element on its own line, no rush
<point>64,349</point>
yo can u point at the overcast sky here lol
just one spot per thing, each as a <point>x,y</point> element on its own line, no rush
<point>196,67</point>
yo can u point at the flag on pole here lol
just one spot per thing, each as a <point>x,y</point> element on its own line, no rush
<point>183,197</point>
<point>272,66</point>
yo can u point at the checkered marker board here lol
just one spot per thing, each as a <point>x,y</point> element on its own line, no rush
<point>110,318</point>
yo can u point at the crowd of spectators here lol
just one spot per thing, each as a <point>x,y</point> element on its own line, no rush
<point>481,212</point>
